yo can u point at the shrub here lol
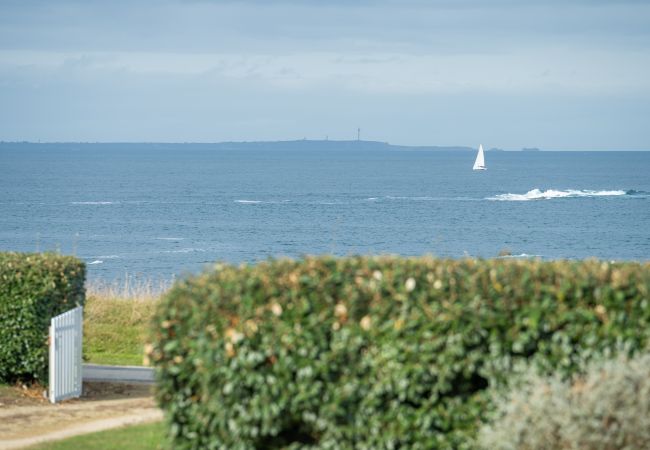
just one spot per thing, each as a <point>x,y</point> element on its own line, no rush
<point>607,408</point>
<point>376,353</point>
<point>33,289</point>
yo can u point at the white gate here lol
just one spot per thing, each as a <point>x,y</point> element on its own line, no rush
<point>66,334</point>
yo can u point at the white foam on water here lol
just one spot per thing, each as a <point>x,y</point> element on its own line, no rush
<point>521,255</point>
<point>390,197</point>
<point>429,198</point>
<point>538,194</point>
<point>97,261</point>
<point>256,202</point>
<point>414,199</point>
<point>109,257</point>
<point>186,250</point>
<point>93,203</point>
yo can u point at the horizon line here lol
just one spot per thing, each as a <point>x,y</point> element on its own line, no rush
<point>386,143</point>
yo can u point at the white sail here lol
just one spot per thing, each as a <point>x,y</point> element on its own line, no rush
<point>479,164</point>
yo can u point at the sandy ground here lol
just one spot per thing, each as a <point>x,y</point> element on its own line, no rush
<point>26,418</point>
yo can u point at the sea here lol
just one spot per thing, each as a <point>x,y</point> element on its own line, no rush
<point>160,212</point>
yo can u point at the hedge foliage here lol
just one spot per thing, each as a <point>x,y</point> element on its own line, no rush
<point>377,353</point>
<point>33,288</point>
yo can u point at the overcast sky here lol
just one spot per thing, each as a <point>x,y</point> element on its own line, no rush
<point>565,74</point>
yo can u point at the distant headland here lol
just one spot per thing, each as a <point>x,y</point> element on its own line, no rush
<point>300,145</point>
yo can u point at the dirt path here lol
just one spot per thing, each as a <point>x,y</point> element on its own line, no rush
<point>26,419</point>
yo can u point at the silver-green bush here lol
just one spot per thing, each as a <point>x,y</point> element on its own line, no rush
<point>608,408</point>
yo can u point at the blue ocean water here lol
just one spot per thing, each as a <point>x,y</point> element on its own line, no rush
<point>161,211</point>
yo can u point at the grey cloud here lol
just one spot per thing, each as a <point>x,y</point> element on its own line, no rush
<point>412,72</point>
<point>278,27</point>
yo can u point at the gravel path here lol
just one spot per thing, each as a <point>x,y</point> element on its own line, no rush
<point>102,407</point>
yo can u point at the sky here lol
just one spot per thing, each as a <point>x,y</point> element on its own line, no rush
<point>557,74</point>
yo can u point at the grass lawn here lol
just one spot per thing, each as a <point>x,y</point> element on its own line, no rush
<point>116,328</point>
<point>138,437</point>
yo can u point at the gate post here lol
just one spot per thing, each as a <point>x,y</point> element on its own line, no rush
<point>51,341</point>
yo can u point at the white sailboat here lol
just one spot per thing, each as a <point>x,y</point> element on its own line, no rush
<point>479,164</point>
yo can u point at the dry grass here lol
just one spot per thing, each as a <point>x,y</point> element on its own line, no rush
<point>117,318</point>
<point>129,288</point>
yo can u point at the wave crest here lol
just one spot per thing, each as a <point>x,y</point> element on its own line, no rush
<point>257,202</point>
<point>93,203</point>
<point>186,250</point>
<point>520,256</point>
<point>537,194</point>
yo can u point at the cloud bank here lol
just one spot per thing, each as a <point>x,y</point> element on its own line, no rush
<point>566,75</point>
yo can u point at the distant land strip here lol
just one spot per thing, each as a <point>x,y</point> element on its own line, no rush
<point>301,144</point>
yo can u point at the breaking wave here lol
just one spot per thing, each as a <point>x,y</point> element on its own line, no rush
<point>537,194</point>
<point>257,202</point>
<point>93,203</point>
<point>520,256</point>
<point>419,198</point>
<point>186,250</point>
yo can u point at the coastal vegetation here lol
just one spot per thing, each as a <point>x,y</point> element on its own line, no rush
<point>606,406</point>
<point>117,320</point>
<point>372,352</point>
<point>379,352</point>
<point>34,287</point>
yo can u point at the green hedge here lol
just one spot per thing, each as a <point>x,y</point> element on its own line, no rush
<point>33,289</point>
<point>376,353</point>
